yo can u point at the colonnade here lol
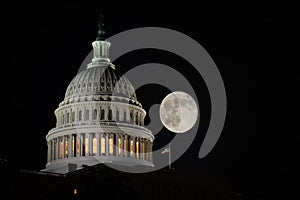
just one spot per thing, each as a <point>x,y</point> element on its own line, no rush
<point>99,144</point>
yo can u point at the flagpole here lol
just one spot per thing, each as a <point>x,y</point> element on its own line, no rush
<point>170,156</point>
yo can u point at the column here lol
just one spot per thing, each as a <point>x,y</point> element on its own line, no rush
<point>107,144</point>
<point>125,143</point>
<point>70,150</point>
<point>122,145</point>
<point>146,150</point>
<point>53,150</point>
<point>56,140</point>
<point>143,149</point>
<point>98,115</point>
<point>91,112</point>
<point>117,145</point>
<point>134,145</point>
<point>150,151</point>
<point>98,142</point>
<point>140,155</point>
<point>63,147</point>
<point>90,135</point>
<point>81,144</point>
<point>48,151</point>
<point>106,114</point>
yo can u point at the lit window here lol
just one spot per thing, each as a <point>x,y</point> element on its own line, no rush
<point>131,147</point>
<point>86,146</point>
<point>125,146</point>
<point>66,148</point>
<point>94,145</point>
<point>78,147</point>
<point>60,148</point>
<point>103,145</point>
<point>111,145</point>
<point>73,145</point>
<point>119,146</point>
<point>137,148</point>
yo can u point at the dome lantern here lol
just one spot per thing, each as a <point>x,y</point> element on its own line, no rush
<point>101,48</point>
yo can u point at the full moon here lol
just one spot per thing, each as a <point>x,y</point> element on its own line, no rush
<point>178,112</point>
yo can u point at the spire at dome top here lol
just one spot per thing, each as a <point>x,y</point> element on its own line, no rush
<point>101,31</point>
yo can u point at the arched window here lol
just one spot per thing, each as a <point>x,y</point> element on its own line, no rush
<point>125,116</point>
<point>73,116</point>
<point>102,114</point>
<point>86,115</point>
<point>68,117</point>
<point>131,116</point>
<point>63,119</point>
<point>79,115</point>
<point>95,146</point>
<point>109,114</point>
<point>117,115</point>
<point>95,114</point>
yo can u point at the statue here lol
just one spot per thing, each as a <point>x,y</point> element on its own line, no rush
<point>101,31</point>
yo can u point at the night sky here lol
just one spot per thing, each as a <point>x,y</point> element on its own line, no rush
<point>44,48</point>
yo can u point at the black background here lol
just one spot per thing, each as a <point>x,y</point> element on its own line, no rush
<point>45,44</point>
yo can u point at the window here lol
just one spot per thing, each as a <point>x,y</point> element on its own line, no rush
<point>94,146</point>
<point>68,117</point>
<point>79,115</point>
<point>109,114</point>
<point>73,116</point>
<point>117,115</point>
<point>102,114</point>
<point>102,145</point>
<point>124,116</point>
<point>111,145</point>
<point>131,117</point>
<point>95,114</point>
<point>86,115</point>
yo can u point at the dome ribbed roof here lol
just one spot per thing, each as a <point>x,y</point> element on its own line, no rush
<point>100,80</point>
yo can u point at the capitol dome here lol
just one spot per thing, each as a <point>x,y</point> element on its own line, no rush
<point>99,120</point>
<point>100,81</point>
